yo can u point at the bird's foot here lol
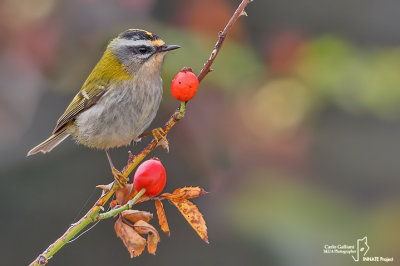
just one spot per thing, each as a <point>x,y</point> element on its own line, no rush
<point>160,137</point>
<point>119,178</point>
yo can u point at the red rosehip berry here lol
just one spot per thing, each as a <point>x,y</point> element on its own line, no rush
<point>184,85</point>
<point>151,176</point>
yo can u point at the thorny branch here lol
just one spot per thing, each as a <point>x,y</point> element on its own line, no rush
<point>221,38</point>
<point>108,191</point>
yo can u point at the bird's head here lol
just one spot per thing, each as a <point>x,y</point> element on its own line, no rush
<point>140,50</point>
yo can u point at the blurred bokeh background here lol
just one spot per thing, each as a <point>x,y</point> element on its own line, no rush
<point>295,134</point>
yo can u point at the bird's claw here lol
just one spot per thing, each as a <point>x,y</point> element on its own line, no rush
<point>119,178</point>
<point>160,137</point>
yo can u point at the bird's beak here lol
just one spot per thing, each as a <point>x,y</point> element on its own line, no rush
<point>166,48</point>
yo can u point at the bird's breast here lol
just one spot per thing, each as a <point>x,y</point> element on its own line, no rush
<point>121,115</point>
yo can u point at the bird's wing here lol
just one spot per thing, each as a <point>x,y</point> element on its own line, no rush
<point>88,96</point>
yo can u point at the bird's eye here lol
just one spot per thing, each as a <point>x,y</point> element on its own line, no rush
<point>143,50</point>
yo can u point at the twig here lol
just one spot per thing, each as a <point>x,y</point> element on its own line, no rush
<point>221,38</point>
<point>93,214</point>
<point>125,207</point>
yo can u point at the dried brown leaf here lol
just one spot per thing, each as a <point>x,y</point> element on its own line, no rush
<point>135,215</point>
<point>162,219</point>
<point>122,195</point>
<point>131,239</point>
<point>184,193</point>
<point>194,217</point>
<point>152,235</point>
<point>143,198</point>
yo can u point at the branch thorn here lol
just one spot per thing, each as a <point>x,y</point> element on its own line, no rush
<point>131,156</point>
<point>42,260</point>
<point>104,187</point>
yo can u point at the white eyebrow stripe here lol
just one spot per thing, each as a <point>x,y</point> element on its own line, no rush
<point>124,42</point>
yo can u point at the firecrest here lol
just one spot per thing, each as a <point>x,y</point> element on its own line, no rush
<point>119,99</point>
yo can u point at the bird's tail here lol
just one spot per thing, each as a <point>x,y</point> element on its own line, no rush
<point>50,143</point>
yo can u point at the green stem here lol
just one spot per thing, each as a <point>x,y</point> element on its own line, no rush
<point>182,110</point>
<point>125,207</point>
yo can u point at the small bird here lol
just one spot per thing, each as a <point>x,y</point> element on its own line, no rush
<point>119,99</point>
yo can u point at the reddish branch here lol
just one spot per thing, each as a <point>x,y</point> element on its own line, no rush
<point>109,190</point>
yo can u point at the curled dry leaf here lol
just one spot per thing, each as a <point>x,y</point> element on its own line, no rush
<point>184,193</point>
<point>194,217</point>
<point>162,219</point>
<point>122,195</point>
<point>152,235</point>
<point>131,239</point>
<point>135,215</point>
